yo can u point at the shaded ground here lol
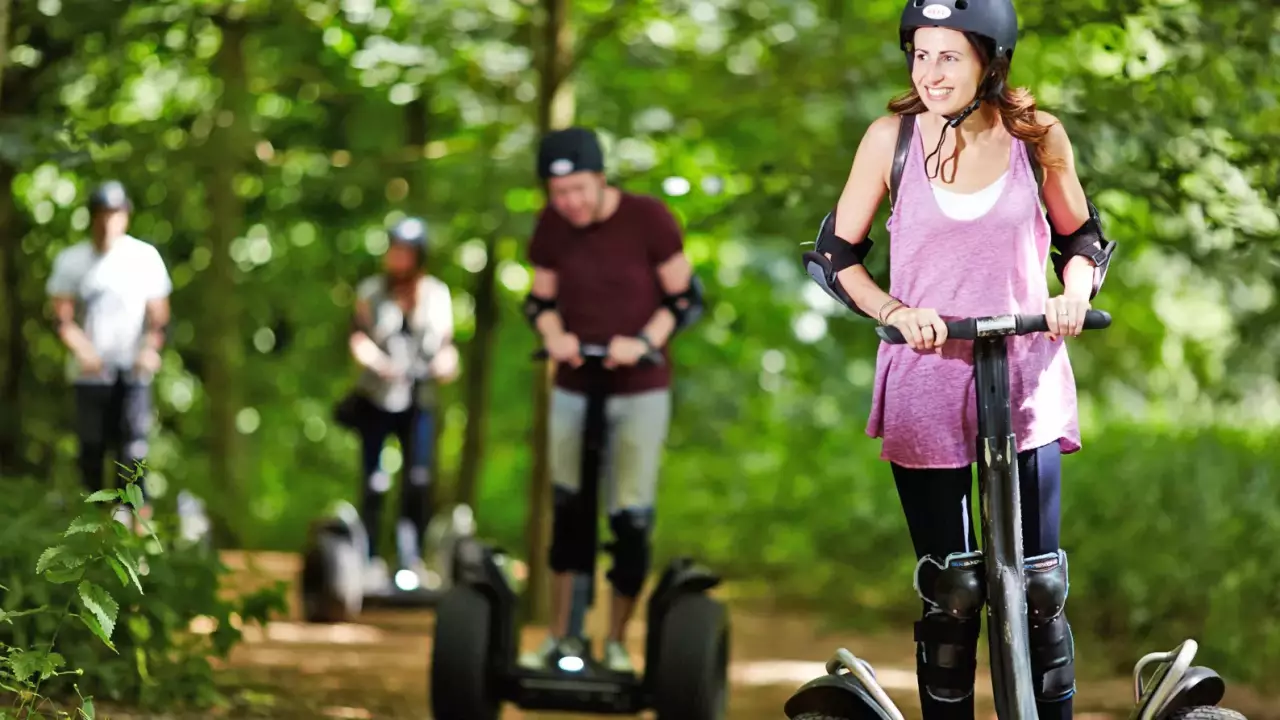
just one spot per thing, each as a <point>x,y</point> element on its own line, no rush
<point>378,668</point>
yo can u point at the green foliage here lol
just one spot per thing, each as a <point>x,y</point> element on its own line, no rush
<point>744,115</point>
<point>110,605</point>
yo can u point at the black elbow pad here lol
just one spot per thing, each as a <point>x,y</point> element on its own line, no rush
<point>1088,241</point>
<point>686,306</point>
<point>534,306</point>
<point>843,254</point>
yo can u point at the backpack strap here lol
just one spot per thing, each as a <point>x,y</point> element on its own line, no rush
<point>906,129</point>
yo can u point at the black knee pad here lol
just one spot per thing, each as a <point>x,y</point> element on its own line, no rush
<point>630,549</point>
<point>571,546</point>
<point>1052,646</point>
<point>954,591</point>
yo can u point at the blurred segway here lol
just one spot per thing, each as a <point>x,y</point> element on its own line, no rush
<point>474,663</point>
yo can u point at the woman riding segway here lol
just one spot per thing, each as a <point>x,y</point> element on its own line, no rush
<point>402,336</point>
<point>969,239</point>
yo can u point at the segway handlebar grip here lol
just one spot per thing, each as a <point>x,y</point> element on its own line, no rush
<point>997,326</point>
<point>600,352</point>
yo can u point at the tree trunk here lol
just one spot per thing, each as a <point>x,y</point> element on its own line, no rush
<point>479,359</point>
<point>555,110</point>
<point>13,358</point>
<point>224,346</point>
<point>417,171</point>
<point>12,355</point>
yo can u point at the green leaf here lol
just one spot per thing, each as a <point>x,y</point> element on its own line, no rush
<point>48,557</point>
<point>102,496</point>
<point>86,709</point>
<point>83,525</point>
<point>134,495</point>
<point>140,626</point>
<point>92,623</point>
<point>131,567</point>
<point>119,570</point>
<point>102,605</point>
<point>64,575</point>
<point>25,663</point>
<point>6,616</point>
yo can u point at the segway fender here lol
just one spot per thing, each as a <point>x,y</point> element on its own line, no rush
<point>837,696</point>
<point>475,567</point>
<point>683,575</point>
<point>343,521</point>
<point>1199,687</point>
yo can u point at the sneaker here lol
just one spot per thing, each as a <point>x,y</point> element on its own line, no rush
<point>428,579</point>
<point>617,659</point>
<point>377,579</point>
<point>573,647</point>
<point>540,659</point>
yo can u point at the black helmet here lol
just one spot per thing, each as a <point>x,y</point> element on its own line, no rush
<point>995,20</point>
<point>409,231</point>
<point>571,150</point>
<point>110,195</point>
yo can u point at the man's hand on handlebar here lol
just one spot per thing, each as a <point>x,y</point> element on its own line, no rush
<point>625,351</point>
<point>565,348</point>
<point>922,327</point>
<point>1065,316</point>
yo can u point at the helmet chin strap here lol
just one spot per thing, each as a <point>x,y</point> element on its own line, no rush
<point>953,122</point>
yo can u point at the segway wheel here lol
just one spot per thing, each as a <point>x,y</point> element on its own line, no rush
<point>690,681</point>
<point>1206,713</point>
<point>462,682</point>
<point>332,591</point>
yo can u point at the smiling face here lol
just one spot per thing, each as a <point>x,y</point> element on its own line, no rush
<point>577,196</point>
<point>400,260</point>
<point>946,69</point>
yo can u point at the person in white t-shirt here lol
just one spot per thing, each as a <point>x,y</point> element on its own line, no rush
<point>402,336</point>
<point>110,297</point>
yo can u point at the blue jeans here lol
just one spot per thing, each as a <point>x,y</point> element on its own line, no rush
<point>415,431</point>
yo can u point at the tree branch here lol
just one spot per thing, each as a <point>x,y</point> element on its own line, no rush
<point>602,29</point>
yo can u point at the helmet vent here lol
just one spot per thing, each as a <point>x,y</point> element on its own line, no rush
<point>962,4</point>
<point>919,3</point>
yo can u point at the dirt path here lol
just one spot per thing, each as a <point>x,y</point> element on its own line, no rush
<point>378,667</point>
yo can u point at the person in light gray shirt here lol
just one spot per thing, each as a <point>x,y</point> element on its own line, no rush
<point>110,298</point>
<point>402,336</point>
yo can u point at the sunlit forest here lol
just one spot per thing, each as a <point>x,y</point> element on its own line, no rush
<point>269,144</point>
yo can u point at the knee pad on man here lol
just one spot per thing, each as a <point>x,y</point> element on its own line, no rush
<point>630,548</point>
<point>1052,646</point>
<point>954,591</point>
<point>571,546</point>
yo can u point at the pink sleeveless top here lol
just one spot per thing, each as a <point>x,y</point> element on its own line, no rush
<point>924,405</point>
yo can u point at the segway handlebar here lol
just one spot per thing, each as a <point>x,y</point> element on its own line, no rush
<point>997,326</point>
<point>600,352</point>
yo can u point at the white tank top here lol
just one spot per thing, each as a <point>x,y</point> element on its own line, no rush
<point>969,206</point>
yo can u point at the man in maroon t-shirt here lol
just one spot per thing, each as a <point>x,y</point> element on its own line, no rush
<point>608,269</point>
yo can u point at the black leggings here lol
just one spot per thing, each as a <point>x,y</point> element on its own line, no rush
<point>115,417</point>
<point>936,502</point>
<point>413,428</point>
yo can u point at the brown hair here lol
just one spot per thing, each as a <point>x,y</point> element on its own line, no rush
<point>1017,106</point>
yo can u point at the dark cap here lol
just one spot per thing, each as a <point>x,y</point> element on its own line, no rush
<point>110,195</point>
<point>564,152</point>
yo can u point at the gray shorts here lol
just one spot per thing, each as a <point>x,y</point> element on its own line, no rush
<point>637,432</point>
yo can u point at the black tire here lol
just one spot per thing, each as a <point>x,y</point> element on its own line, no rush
<point>462,683</point>
<point>1206,712</point>
<point>690,681</point>
<point>332,591</point>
